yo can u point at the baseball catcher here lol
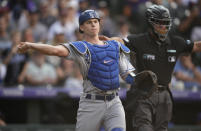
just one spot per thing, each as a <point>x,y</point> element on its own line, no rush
<point>100,63</point>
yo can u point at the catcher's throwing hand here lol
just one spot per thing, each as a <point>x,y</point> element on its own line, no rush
<point>22,47</point>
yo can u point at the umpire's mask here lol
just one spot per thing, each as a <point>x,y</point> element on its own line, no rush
<point>159,20</point>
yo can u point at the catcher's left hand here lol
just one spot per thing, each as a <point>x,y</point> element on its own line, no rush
<point>146,81</point>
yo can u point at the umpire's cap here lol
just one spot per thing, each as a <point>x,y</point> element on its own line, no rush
<point>86,15</point>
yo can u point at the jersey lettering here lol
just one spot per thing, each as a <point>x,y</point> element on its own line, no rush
<point>149,57</point>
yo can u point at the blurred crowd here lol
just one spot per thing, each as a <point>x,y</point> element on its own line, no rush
<point>56,21</point>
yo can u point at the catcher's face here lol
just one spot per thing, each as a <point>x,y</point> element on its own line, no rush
<point>91,27</point>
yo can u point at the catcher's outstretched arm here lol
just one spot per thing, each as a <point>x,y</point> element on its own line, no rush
<point>58,50</point>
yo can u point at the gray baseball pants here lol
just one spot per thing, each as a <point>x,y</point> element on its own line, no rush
<point>154,113</point>
<point>92,114</point>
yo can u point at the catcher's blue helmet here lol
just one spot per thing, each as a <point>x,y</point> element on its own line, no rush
<point>88,14</point>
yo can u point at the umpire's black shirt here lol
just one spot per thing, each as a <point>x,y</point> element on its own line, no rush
<point>158,58</point>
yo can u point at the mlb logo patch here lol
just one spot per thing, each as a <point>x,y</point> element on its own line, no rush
<point>171,59</point>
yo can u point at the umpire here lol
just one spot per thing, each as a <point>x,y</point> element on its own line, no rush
<point>157,51</point>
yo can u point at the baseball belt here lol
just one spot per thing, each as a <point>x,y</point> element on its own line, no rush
<point>108,97</point>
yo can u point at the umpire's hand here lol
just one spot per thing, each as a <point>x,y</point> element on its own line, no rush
<point>104,38</point>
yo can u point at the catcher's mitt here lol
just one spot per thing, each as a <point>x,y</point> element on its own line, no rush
<point>146,81</point>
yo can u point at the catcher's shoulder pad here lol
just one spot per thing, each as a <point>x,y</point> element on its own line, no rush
<point>123,48</point>
<point>79,46</point>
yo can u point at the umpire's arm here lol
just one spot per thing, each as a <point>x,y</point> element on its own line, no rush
<point>58,50</point>
<point>101,37</point>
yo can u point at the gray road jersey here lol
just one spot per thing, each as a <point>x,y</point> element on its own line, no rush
<point>84,64</point>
